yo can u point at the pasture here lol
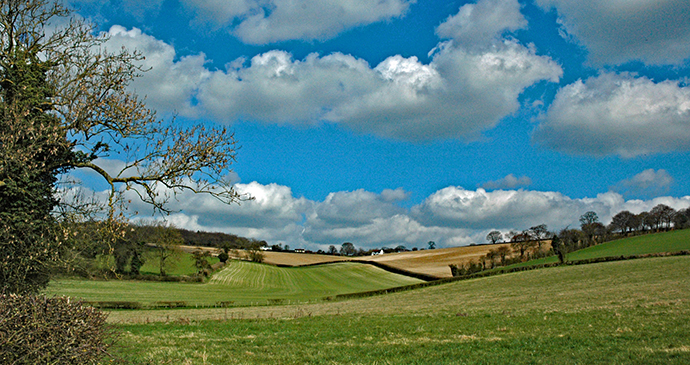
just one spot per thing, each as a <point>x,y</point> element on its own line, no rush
<point>241,283</point>
<point>672,241</point>
<point>632,312</point>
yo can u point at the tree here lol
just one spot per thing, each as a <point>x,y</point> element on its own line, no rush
<point>256,256</point>
<point>681,219</point>
<point>201,263</point>
<point>347,249</point>
<point>491,256</point>
<point>623,221</point>
<point>588,218</point>
<point>34,151</point>
<point>332,250</point>
<point>662,215</point>
<point>494,237</point>
<point>503,252</point>
<point>589,223</point>
<point>166,241</point>
<point>65,104</point>
<point>559,248</point>
<point>523,242</point>
<point>432,245</point>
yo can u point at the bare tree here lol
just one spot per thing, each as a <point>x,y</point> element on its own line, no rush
<point>102,118</point>
<point>67,105</point>
<point>494,237</point>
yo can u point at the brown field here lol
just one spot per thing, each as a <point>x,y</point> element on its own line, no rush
<point>429,262</point>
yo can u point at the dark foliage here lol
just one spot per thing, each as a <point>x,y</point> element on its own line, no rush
<point>34,150</point>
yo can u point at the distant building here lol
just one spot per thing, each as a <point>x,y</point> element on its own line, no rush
<point>377,253</point>
<point>299,250</point>
<point>266,248</point>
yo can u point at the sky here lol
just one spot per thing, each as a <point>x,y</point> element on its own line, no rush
<point>399,122</point>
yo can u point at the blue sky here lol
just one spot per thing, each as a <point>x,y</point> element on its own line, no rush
<point>388,122</point>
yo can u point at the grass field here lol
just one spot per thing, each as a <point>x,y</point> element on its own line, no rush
<point>242,283</point>
<point>182,264</point>
<point>627,312</point>
<point>672,241</point>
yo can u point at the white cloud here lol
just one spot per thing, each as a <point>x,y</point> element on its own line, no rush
<point>170,83</point>
<point>459,94</point>
<point>482,23</point>
<point>614,31</point>
<point>452,216</point>
<point>649,182</point>
<point>508,182</point>
<point>618,114</point>
<point>263,22</point>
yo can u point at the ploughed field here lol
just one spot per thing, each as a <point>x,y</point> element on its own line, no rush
<point>429,262</point>
<point>241,283</point>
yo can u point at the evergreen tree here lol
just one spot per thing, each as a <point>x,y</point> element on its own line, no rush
<point>34,151</point>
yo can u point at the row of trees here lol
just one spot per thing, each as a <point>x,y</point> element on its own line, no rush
<point>661,217</point>
<point>538,241</point>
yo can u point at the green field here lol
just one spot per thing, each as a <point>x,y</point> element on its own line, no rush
<point>672,241</point>
<point>243,283</point>
<point>626,312</point>
<point>183,265</point>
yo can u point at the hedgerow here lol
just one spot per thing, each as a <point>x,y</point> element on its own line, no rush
<point>41,330</point>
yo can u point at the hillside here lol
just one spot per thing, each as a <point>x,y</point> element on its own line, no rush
<point>429,262</point>
<point>626,312</point>
<point>242,283</point>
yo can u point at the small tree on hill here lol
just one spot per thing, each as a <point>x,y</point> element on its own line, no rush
<point>494,237</point>
<point>348,249</point>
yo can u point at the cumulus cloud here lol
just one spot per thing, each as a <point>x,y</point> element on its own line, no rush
<point>171,83</point>
<point>647,183</point>
<point>263,22</point>
<point>482,211</point>
<point>452,216</point>
<point>508,182</point>
<point>618,114</point>
<point>483,22</point>
<point>459,94</point>
<point>615,32</point>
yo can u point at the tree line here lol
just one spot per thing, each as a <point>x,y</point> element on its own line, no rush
<point>538,241</point>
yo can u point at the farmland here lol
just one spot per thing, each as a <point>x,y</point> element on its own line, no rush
<point>673,241</point>
<point>619,312</point>
<point>242,283</point>
<point>429,262</point>
<point>632,312</point>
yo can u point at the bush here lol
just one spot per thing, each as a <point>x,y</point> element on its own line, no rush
<point>115,305</point>
<point>40,330</point>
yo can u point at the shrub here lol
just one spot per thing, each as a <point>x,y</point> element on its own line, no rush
<point>256,256</point>
<point>223,256</point>
<point>40,330</point>
<point>115,305</point>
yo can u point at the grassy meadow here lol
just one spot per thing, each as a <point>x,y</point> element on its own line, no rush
<point>242,283</point>
<point>672,241</point>
<point>627,312</point>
